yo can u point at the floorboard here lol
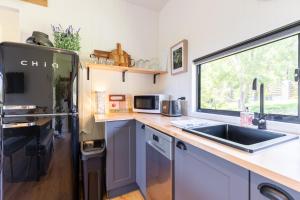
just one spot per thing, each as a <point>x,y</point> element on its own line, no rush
<point>135,195</point>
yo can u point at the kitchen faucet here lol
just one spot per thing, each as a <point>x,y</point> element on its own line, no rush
<point>260,120</point>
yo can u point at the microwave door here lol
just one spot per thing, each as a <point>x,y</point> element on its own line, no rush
<point>145,102</point>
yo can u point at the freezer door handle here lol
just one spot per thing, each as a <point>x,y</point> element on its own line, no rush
<point>18,125</point>
<point>19,107</point>
<point>42,115</point>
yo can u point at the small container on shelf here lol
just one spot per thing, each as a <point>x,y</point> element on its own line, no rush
<point>100,98</point>
<point>94,59</point>
<point>110,62</point>
<point>153,64</point>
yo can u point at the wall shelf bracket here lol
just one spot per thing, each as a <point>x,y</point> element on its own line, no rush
<point>88,73</point>
<point>123,75</point>
<point>154,77</point>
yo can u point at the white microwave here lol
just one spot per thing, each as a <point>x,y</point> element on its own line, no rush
<point>148,103</point>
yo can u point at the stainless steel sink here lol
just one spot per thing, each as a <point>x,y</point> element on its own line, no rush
<point>246,139</point>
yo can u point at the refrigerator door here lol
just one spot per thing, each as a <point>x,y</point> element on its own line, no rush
<point>39,92</point>
<point>1,132</point>
<point>38,165</point>
<point>1,160</point>
<point>38,79</point>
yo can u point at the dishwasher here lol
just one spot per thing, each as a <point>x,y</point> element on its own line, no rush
<point>159,165</point>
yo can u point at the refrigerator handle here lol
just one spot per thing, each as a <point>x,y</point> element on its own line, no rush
<point>19,107</point>
<point>18,125</point>
<point>1,153</point>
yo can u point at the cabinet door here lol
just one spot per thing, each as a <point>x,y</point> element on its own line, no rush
<point>120,157</point>
<point>262,188</point>
<point>141,157</point>
<point>202,176</point>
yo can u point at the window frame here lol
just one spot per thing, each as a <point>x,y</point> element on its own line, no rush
<point>264,39</point>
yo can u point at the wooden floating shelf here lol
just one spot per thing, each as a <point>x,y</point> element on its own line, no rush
<point>126,69</point>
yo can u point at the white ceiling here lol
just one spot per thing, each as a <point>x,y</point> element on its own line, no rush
<point>156,5</point>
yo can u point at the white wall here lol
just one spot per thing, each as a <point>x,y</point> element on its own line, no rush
<point>9,29</point>
<point>211,25</point>
<point>208,25</point>
<point>103,23</point>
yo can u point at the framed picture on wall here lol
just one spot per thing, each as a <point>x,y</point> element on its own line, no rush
<point>179,54</point>
<point>38,2</point>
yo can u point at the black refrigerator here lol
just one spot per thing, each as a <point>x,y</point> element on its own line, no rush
<point>39,122</point>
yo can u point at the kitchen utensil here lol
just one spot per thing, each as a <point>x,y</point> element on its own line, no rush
<point>172,108</point>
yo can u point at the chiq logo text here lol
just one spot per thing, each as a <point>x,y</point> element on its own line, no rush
<point>35,63</point>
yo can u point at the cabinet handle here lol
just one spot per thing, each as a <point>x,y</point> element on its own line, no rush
<point>180,145</point>
<point>273,192</point>
<point>143,126</point>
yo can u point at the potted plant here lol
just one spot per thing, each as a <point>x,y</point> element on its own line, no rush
<point>68,38</point>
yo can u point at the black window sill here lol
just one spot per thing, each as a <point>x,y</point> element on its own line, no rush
<point>269,117</point>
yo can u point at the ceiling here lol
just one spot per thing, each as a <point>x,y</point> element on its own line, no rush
<point>155,5</point>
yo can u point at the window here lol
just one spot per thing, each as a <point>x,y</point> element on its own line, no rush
<point>225,81</point>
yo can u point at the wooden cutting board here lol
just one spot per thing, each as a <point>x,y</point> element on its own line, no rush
<point>101,54</point>
<point>121,58</point>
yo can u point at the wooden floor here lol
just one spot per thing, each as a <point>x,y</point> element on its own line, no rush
<point>55,185</point>
<point>135,195</point>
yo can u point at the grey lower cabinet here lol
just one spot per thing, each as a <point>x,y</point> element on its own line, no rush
<point>198,175</point>
<point>141,157</point>
<point>120,157</point>
<point>202,176</point>
<point>262,188</point>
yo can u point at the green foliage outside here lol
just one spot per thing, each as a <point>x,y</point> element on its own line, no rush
<point>226,84</point>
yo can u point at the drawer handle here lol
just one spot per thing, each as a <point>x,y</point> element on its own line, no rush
<point>273,192</point>
<point>143,126</point>
<point>155,138</point>
<point>180,145</point>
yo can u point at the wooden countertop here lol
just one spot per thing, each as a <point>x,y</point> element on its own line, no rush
<point>280,163</point>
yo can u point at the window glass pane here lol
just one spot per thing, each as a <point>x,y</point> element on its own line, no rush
<point>226,84</point>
